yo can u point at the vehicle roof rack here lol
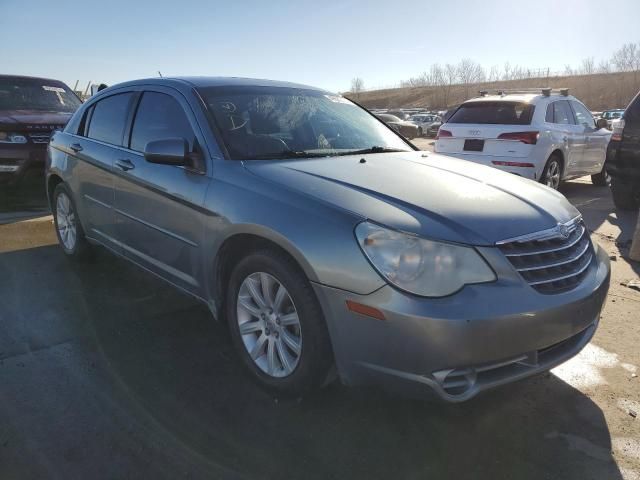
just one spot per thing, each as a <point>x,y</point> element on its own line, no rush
<point>546,91</point>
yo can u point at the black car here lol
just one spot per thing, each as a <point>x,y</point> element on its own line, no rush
<point>30,109</point>
<point>623,158</point>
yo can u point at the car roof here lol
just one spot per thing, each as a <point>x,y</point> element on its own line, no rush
<point>28,77</point>
<point>520,97</point>
<point>203,82</point>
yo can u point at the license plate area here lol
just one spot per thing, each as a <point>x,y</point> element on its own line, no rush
<point>473,145</point>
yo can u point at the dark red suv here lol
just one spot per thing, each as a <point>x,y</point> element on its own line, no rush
<point>30,109</point>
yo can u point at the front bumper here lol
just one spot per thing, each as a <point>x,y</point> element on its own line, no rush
<point>483,336</point>
<point>17,160</point>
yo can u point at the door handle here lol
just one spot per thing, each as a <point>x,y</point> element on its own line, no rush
<point>76,147</point>
<point>125,164</point>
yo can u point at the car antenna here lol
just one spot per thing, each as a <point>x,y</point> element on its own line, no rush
<point>159,73</point>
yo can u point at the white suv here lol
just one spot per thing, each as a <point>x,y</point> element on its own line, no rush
<point>546,135</point>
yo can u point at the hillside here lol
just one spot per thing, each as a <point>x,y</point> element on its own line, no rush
<point>598,91</point>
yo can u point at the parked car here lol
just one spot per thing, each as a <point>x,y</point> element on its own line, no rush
<point>405,128</point>
<point>548,136</point>
<point>30,109</point>
<point>623,158</point>
<point>611,115</point>
<point>325,240</point>
<point>429,124</point>
<point>402,115</point>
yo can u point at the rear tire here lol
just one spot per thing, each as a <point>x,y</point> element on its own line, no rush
<point>67,224</point>
<point>552,173</point>
<point>601,179</point>
<point>293,368</point>
<point>625,196</point>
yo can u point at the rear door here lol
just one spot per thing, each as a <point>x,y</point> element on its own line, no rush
<point>159,208</point>
<point>476,126</point>
<point>92,154</point>
<point>595,148</point>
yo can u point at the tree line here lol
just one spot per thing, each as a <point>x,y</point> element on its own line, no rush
<point>467,73</point>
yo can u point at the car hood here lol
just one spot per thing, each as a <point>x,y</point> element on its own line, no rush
<point>430,195</point>
<point>33,117</point>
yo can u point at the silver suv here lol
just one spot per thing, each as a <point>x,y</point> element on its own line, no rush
<point>324,239</point>
<point>541,134</point>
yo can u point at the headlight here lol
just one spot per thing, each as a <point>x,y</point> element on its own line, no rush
<point>419,266</point>
<point>6,137</point>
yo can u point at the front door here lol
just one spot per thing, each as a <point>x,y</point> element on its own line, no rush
<point>159,208</point>
<point>595,141</point>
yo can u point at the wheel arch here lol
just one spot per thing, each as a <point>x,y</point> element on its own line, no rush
<point>238,243</point>
<point>560,154</point>
<point>52,182</point>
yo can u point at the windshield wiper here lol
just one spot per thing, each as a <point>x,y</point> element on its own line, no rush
<point>373,149</point>
<point>286,154</point>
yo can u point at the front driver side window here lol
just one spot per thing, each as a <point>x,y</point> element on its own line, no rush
<point>583,116</point>
<point>159,116</point>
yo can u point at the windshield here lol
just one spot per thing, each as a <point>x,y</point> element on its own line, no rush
<point>36,94</point>
<point>278,122</point>
<point>499,113</point>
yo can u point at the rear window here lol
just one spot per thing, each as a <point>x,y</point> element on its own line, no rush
<point>498,113</point>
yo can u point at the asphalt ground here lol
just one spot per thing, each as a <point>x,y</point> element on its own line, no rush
<point>107,372</point>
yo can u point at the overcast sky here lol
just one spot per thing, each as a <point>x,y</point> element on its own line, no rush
<point>321,43</point>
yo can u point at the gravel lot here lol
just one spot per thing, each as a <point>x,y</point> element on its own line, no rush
<point>105,372</point>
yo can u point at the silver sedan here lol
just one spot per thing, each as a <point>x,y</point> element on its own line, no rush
<point>327,242</point>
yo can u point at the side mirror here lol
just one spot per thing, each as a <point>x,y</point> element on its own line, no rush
<point>601,123</point>
<point>170,151</point>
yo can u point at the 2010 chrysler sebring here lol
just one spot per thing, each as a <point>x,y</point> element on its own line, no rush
<point>326,241</point>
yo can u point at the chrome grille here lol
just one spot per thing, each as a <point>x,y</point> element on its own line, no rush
<point>552,263</point>
<point>39,137</point>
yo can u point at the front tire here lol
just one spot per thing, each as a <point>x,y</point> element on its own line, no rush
<point>67,223</point>
<point>552,173</point>
<point>277,325</point>
<point>625,196</point>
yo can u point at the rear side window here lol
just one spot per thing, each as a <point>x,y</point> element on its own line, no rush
<point>560,113</point>
<point>494,113</point>
<point>159,117</point>
<point>109,118</point>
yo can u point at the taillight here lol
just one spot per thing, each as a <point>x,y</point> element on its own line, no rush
<point>530,138</point>
<point>617,130</point>
<point>443,134</point>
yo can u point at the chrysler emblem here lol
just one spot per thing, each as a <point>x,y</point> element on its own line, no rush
<point>564,231</point>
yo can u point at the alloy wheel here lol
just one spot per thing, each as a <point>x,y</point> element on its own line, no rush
<point>66,221</point>
<point>269,325</point>
<point>552,177</point>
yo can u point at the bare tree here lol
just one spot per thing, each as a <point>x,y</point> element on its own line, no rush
<point>357,86</point>
<point>604,66</point>
<point>588,66</point>
<point>507,71</point>
<point>494,74</point>
<point>627,59</point>
<point>469,72</point>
